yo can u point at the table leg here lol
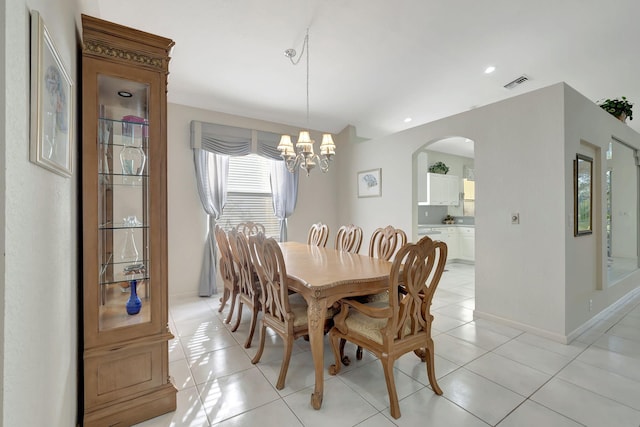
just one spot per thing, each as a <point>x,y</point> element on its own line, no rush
<point>316,313</point>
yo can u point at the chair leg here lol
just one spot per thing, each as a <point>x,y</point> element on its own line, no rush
<point>234,297</point>
<point>288,347</point>
<point>337,346</point>
<point>233,329</point>
<point>431,369</point>
<point>223,300</point>
<point>387,366</point>
<point>263,333</point>
<point>254,319</point>
<point>345,359</point>
<point>359,353</point>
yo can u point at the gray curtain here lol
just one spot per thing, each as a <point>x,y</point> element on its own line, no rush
<point>212,171</point>
<point>284,190</point>
<point>221,141</point>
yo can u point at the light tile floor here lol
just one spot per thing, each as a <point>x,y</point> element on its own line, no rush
<point>491,374</point>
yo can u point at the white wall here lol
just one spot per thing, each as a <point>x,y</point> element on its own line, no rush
<point>526,274</point>
<point>40,278</point>
<point>589,127</point>
<point>187,220</point>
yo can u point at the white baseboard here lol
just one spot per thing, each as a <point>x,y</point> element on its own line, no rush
<point>563,339</point>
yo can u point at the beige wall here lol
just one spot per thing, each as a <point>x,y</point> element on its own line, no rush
<point>187,220</point>
<point>530,275</point>
<point>40,240</point>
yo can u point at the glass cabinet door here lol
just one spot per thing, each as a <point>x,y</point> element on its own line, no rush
<point>123,203</point>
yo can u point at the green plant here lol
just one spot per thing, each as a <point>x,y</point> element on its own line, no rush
<point>617,106</point>
<point>439,167</point>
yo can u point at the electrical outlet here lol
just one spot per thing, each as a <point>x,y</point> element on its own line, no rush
<point>590,304</point>
<point>426,213</point>
<point>515,218</point>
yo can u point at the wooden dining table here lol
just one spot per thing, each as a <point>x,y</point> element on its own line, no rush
<point>323,276</point>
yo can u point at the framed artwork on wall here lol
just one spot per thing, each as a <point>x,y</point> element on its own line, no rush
<point>370,183</point>
<point>583,192</point>
<point>51,103</point>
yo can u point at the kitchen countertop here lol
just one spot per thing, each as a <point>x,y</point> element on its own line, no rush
<point>422,226</point>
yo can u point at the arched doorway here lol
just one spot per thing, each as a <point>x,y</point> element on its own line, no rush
<point>445,205</point>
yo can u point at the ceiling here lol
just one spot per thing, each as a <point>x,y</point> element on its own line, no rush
<point>374,63</point>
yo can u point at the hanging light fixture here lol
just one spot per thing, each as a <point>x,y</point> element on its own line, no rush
<point>303,155</point>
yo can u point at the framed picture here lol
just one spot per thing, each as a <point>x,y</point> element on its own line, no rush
<point>583,191</point>
<point>370,183</point>
<point>51,103</point>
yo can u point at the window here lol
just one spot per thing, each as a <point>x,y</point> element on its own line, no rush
<point>249,194</point>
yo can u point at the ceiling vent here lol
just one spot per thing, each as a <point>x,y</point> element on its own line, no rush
<point>516,82</point>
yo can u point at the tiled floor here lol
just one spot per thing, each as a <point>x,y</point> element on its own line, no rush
<point>490,374</point>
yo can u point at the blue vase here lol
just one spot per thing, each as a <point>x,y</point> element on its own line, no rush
<point>134,304</point>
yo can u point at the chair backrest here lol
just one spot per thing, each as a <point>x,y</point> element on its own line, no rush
<point>318,235</point>
<point>249,228</point>
<point>349,238</point>
<point>246,273</point>
<point>269,264</point>
<point>386,241</point>
<point>227,263</point>
<point>416,269</point>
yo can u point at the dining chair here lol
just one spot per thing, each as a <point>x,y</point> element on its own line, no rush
<point>227,271</point>
<point>249,228</point>
<point>384,243</point>
<point>318,235</point>
<point>283,310</point>
<point>349,238</point>
<point>403,323</point>
<point>248,283</point>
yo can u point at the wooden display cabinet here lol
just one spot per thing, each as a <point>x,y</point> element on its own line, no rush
<point>124,202</point>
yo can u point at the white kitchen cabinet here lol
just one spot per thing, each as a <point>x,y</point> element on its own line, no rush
<point>440,190</point>
<point>451,237</point>
<point>466,243</point>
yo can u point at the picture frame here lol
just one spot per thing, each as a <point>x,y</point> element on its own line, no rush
<point>51,133</point>
<point>370,183</point>
<point>583,195</point>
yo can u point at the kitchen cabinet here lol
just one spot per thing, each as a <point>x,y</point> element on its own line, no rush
<point>440,190</point>
<point>125,358</point>
<point>451,237</point>
<point>467,240</point>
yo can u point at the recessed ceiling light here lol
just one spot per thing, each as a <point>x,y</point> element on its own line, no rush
<point>490,69</point>
<point>407,119</point>
<point>125,94</point>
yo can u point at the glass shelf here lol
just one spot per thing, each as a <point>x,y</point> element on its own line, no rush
<point>109,179</point>
<point>120,226</point>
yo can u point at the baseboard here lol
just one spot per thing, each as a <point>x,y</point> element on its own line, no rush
<point>522,326</point>
<point>600,316</point>
<point>563,339</point>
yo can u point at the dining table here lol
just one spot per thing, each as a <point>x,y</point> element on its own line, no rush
<point>323,276</point>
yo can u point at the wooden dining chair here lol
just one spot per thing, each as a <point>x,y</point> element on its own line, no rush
<point>249,228</point>
<point>349,238</point>
<point>248,283</point>
<point>227,271</point>
<point>386,241</point>
<point>403,324</point>
<point>318,235</point>
<point>283,310</point>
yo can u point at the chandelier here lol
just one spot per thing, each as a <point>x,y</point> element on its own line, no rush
<point>302,155</point>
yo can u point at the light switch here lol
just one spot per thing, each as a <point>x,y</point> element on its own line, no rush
<point>515,218</point>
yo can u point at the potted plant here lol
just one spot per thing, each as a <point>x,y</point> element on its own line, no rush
<point>619,108</point>
<point>439,167</point>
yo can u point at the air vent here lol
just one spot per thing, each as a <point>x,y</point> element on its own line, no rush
<point>516,82</point>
